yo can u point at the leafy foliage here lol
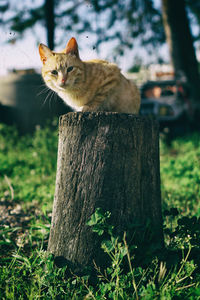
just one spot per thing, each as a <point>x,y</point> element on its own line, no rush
<point>194,8</point>
<point>124,21</point>
<point>52,15</point>
<point>137,16</point>
<point>119,21</point>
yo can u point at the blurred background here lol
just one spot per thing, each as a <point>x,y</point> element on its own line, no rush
<point>156,43</point>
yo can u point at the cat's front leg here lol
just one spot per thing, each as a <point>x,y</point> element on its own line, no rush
<point>94,106</point>
<point>98,103</point>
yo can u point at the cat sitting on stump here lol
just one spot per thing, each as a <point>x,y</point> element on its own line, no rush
<point>94,85</point>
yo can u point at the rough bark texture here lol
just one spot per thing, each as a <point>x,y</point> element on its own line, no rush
<point>105,160</point>
<point>180,41</point>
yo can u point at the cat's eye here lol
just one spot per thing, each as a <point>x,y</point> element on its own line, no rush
<point>54,72</point>
<point>69,69</point>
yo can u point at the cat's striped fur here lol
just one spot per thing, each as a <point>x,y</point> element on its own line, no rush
<point>94,85</point>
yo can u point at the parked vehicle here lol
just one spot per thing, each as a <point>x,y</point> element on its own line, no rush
<point>26,102</point>
<point>169,102</point>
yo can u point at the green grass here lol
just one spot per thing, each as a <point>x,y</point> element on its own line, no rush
<point>180,170</point>
<point>27,182</point>
<point>29,162</point>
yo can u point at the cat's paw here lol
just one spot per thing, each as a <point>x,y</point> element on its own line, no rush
<point>89,108</point>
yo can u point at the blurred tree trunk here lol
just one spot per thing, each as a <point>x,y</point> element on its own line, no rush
<point>50,22</point>
<point>180,41</point>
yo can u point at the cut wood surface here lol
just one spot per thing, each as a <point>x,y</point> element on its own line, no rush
<point>105,160</point>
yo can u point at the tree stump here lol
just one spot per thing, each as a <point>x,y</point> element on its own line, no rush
<point>108,161</point>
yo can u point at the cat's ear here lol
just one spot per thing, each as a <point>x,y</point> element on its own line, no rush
<point>45,52</point>
<point>72,47</point>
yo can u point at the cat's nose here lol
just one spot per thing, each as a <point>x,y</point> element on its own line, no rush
<point>62,81</point>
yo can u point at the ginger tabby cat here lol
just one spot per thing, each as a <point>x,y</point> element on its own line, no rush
<point>94,85</point>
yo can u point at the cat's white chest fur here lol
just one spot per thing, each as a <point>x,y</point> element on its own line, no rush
<point>69,101</point>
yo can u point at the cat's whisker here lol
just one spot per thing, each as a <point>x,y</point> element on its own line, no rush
<point>40,85</point>
<point>45,100</point>
<point>43,91</point>
<point>51,98</point>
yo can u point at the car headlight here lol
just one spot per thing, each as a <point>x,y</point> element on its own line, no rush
<point>165,111</point>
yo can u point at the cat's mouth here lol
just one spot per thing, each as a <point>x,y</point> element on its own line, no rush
<point>59,87</point>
